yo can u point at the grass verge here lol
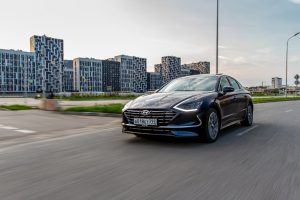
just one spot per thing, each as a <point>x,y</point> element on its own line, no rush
<point>111,108</point>
<point>117,108</point>
<point>274,99</point>
<point>16,107</point>
<point>98,97</point>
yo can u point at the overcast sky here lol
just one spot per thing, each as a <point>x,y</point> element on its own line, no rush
<point>253,33</point>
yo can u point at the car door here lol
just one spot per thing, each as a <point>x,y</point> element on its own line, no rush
<point>226,102</point>
<point>240,100</point>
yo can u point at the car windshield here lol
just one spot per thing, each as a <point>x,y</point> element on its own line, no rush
<point>199,83</point>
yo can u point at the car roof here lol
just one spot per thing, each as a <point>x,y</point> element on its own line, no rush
<point>202,75</point>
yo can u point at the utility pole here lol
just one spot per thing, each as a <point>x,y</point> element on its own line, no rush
<point>286,64</point>
<point>217,43</point>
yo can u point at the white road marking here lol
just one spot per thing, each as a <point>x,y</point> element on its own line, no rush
<point>2,150</point>
<point>25,131</point>
<point>289,111</point>
<point>16,129</point>
<point>8,127</point>
<point>246,131</point>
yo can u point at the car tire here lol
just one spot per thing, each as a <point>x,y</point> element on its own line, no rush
<point>212,126</point>
<point>249,116</point>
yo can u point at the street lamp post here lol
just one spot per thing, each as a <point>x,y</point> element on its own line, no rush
<point>217,43</point>
<point>286,64</point>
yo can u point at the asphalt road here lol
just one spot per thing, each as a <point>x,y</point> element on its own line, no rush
<point>51,156</point>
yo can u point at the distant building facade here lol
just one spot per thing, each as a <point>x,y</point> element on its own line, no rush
<point>170,68</point>
<point>68,80</point>
<point>154,81</point>
<point>49,54</point>
<point>198,68</point>
<point>110,76</point>
<point>276,83</point>
<point>157,68</point>
<point>87,75</point>
<point>185,72</point>
<point>133,73</point>
<point>17,71</point>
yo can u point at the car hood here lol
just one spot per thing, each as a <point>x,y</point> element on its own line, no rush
<point>163,100</point>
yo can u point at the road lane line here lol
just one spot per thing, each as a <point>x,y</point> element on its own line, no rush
<point>25,131</point>
<point>17,146</point>
<point>246,131</point>
<point>289,111</point>
<point>8,127</point>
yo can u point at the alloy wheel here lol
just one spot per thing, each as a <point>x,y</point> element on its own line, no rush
<point>213,125</point>
<point>250,114</point>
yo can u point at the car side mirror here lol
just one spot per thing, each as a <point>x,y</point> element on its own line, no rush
<point>228,89</point>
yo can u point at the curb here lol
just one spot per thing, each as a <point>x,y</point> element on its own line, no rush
<point>92,114</point>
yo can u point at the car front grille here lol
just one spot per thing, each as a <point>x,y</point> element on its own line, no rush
<point>164,117</point>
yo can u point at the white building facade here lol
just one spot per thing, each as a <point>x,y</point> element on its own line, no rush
<point>133,73</point>
<point>87,75</point>
<point>276,83</point>
<point>17,71</point>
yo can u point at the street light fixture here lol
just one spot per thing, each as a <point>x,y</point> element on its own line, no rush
<point>286,64</point>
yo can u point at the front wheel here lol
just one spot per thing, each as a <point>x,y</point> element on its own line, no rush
<point>212,126</point>
<point>249,116</point>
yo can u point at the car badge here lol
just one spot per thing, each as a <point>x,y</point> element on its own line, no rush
<point>145,112</point>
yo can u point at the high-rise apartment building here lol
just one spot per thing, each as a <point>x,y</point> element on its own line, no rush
<point>153,81</point>
<point>49,54</point>
<point>87,75</point>
<point>170,68</point>
<point>276,83</point>
<point>133,73</point>
<point>68,81</point>
<point>157,68</point>
<point>198,68</point>
<point>110,76</point>
<point>17,71</point>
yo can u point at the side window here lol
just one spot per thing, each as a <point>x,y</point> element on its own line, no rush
<point>223,82</point>
<point>234,83</point>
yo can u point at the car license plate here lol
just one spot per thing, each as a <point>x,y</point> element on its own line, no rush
<point>145,122</point>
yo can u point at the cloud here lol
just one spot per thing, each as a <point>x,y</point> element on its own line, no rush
<point>295,1</point>
<point>264,51</point>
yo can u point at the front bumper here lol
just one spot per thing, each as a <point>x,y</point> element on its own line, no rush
<point>181,125</point>
<point>171,131</point>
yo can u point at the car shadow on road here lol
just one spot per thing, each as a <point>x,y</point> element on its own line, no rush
<point>225,135</point>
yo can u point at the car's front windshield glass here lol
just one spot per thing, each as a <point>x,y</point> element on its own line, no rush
<point>199,83</point>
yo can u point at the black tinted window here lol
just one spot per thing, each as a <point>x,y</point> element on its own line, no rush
<point>234,83</point>
<point>223,83</point>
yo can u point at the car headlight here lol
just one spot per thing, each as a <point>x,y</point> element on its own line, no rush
<point>127,106</point>
<point>188,106</point>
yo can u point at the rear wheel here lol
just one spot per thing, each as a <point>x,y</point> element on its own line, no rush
<point>249,116</point>
<point>212,126</point>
